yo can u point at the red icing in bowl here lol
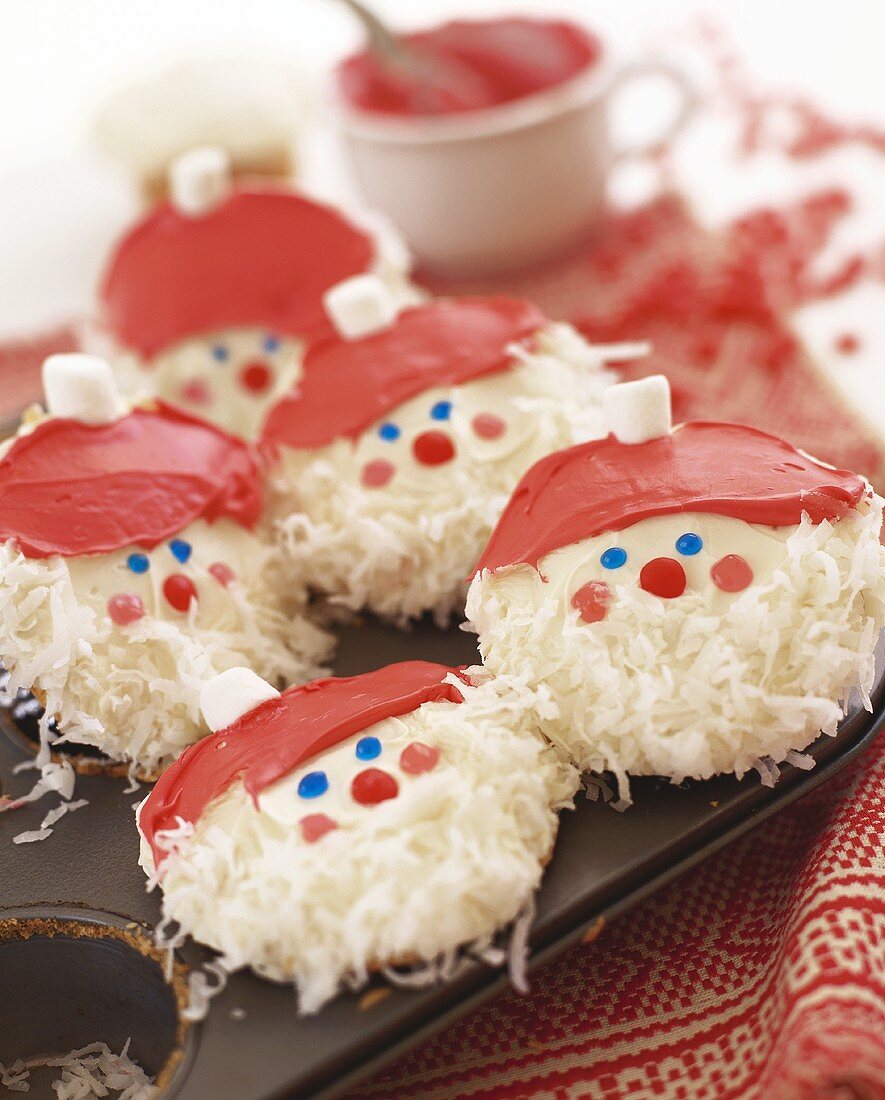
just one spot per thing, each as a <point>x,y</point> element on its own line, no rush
<point>469,65</point>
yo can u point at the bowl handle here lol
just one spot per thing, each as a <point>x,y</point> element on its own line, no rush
<point>689,100</point>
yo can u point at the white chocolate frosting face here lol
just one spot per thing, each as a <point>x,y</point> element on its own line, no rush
<point>379,747</point>
<point>386,464</point>
<point>433,448</point>
<point>230,377</point>
<point>212,557</point>
<point>696,542</point>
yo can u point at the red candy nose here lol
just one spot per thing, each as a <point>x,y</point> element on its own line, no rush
<point>433,448</point>
<point>663,577</point>
<point>256,376</point>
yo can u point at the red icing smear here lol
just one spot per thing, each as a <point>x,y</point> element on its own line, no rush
<point>349,384</point>
<point>765,272</point>
<point>70,488</point>
<point>260,258</point>
<point>703,466</point>
<point>276,737</point>
<point>469,65</point>
<point>783,121</point>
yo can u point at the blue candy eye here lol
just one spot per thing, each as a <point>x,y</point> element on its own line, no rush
<point>220,353</point>
<point>613,558</point>
<point>689,544</point>
<point>138,563</point>
<point>368,748</point>
<point>181,549</point>
<point>442,410</point>
<point>313,785</point>
<point>389,431</point>
<point>271,343</point>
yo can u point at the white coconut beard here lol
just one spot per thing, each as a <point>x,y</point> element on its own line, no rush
<point>133,692</point>
<point>665,687</point>
<point>451,860</point>
<point>405,549</point>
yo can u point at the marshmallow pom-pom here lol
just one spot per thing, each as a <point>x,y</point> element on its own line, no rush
<point>133,690</point>
<point>636,412</point>
<point>81,387</point>
<point>406,548</point>
<point>360,305</point>
<point>450,860</point>
<point>199,180</point>
<point>231,694</point>
<point>668,686</point>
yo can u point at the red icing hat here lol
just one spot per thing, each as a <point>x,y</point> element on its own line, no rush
<point>258,258</point>
<point>702,466</point>
<point>70,488</point>
<point>272,740</point>
<point>349,384</point>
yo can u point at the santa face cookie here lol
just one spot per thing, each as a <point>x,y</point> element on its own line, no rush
<point>397,450</point>
<point>209,300</point>
<point>130,568</point>
<point>697,599</point>
<point>353,824</point>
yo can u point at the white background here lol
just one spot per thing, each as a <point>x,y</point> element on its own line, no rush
<point>60,206</point>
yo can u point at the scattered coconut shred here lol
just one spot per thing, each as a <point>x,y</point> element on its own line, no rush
<point>56,777</point>
<point>91,1071</point>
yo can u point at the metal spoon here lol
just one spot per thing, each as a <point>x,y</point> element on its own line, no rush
<point>382,40</point>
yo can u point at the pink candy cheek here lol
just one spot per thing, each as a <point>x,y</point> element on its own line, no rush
<point>222,573</point>
<point>125,608</point>
<point>196,392</point>
<point>591,601</point>
<point>376,474</point>
<point>732,573</point>
<point>488,426</point>
<point>315,826</point>
<point>418,758</point>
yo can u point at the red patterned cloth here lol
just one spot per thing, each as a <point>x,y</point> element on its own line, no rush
<point>760,975</point>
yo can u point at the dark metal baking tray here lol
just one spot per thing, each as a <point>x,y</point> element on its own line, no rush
<point>252,1046</point>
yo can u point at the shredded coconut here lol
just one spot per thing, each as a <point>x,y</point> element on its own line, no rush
<point>406,551</point>
<point>666,687</point>
<point>518,954</point>
<point>443,866</point>
<point>93,1071</point>
<point>202,986</point>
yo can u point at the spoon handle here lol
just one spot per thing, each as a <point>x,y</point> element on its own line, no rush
<point>381,39</point>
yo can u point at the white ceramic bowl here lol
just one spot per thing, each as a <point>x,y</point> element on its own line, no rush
<point>501,187</point>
